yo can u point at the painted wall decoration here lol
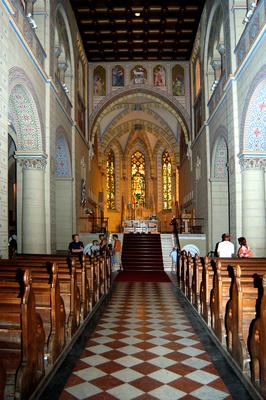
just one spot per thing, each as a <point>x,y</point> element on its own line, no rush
<point>138,75</point>
<point>159,76</point>
<point>99,81</point>
<point>178,80</point>
<point>24,116</point>
<point>62,158</point>
<point>220,160</point>
<point>118,76</point>
<point>255,123</point>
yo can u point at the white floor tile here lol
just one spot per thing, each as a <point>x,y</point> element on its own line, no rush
<point>162,362</point>
<point>127,375</point>
<point>196,362</point>
<point>160,350</point>
<point>89,374</point>
<point>125,392</point>
<point>166,392</point>
<point>202,377</point>
<point>101,348</point>
<point>209,393</point>
<point>83,390</point>
<point>128,361</point>
<point>95,360</point>
<point>191,351</point>
<point>164,376</point>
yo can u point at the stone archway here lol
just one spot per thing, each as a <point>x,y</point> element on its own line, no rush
<point>156,95</point>
<point>25,116</point>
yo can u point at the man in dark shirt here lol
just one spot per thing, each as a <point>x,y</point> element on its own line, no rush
<point>76,247</point>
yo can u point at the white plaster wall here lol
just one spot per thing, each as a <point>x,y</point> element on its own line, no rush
<point>64,210</point>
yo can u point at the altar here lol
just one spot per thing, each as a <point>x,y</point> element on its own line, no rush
<point>140,226</point>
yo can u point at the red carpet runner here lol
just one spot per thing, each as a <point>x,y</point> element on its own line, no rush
<point>139,276</point>
<point>142,259</point>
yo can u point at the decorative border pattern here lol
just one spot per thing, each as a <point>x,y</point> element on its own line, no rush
<point>17,77</point>
<point>253,120</point>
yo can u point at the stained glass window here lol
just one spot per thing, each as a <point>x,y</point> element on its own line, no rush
<point>167,180</point>
<point>138,179</point>
<point>110,172</point>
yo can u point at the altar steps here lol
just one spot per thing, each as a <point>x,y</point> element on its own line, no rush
<point>142,252</point>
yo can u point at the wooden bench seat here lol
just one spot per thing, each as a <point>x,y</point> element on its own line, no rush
<point>69,289</point>
<point>64,264</point>
<point>49,304</point>
<point>21,341</point>
<point>257,343</point>
<point>220,291</point>
<point>241,310</point>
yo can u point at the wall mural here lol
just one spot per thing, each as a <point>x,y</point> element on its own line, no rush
<point>178,81</point>
<point>118,76</point>
<point>255,124</point>
<point>62,158</point>
<point>138,75</point>
<point>220,160</point>
<point>24,116</point>
<point>159,76</point>
<point>99,81</point>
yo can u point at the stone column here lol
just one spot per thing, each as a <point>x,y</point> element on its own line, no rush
<point>253,203</point>
<point>33,202</point>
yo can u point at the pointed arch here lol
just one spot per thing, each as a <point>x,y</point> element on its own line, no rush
<point>153,94</point>
<point>62,156</point>
<point>24,112</point>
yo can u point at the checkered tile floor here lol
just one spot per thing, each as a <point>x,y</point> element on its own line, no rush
<point>144,347</point>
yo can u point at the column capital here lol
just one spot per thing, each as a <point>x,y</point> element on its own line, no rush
<point>35,161</point>
<point>251,162</point>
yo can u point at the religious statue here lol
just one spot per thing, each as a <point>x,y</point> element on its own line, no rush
<point>159,76</point>
<point>178,87</point>
<point>118,76</point>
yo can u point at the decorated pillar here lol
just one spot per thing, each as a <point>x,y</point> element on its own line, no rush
<point>33,202</point>
<point>253,203</point>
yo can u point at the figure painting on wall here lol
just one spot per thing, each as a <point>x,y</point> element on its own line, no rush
<point>99,81</point>
<point>159,76</point>
<point>138,75</point>
<point>178,81</point>
<point>118,76</point>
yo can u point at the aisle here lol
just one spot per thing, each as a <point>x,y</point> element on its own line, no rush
<point>144,347</point>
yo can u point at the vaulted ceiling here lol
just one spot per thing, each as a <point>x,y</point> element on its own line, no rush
<point>122,30</point>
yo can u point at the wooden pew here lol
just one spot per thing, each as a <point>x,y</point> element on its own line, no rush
<point>188,276</point>
<point>181,270</point>
<point>196,281</point>
<point>257,343</point>
<point>205,289</point>
<point>241,309</point>
<point>48,302</point>
<point>2,380</point>
<point>21,340</point>
<point>68,286</point>
<point>219,294</point>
